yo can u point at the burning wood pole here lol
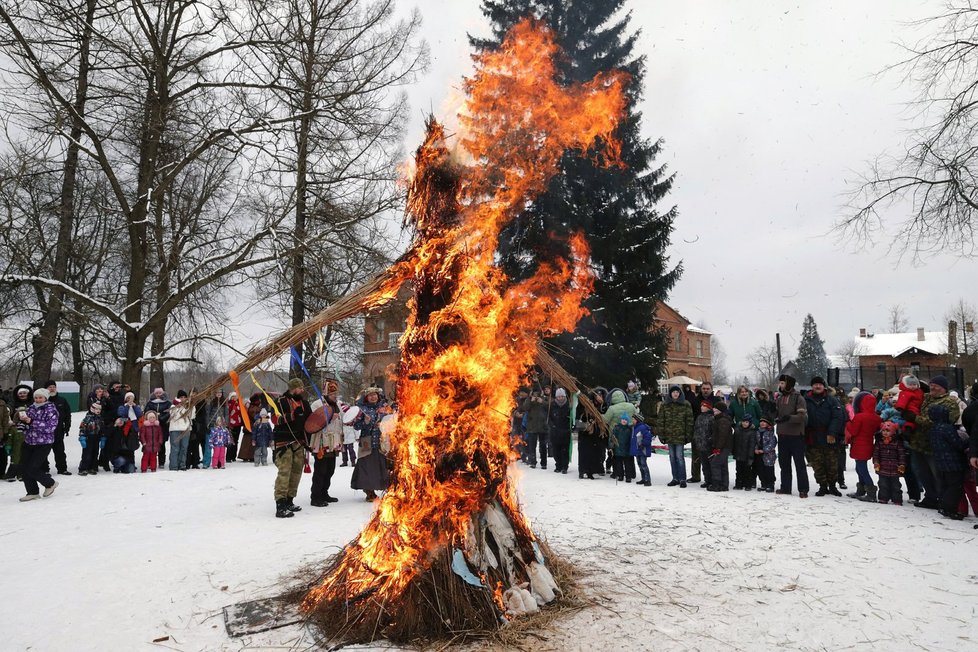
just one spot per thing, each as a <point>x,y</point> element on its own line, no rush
<point>448,551</point>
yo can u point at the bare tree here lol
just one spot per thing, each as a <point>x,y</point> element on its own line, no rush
<point>937,175</point>
<point>718,362</point>
<point>764,363</point>
<point>966,317</point>
<point>896,319</point>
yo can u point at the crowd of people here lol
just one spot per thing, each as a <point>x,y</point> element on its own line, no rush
<point>183,434</point>
<point>918,436</point>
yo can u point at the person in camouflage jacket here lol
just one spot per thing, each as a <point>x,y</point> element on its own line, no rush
<point>674,427</point>
<point>924,464</point>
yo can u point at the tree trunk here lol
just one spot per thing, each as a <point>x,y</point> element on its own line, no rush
<point>77,363</point>
<point>47,339</point>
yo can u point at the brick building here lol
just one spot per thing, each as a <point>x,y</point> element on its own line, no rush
<point>689,352</point>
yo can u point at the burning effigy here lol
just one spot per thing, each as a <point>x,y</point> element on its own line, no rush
<point>448,549</point>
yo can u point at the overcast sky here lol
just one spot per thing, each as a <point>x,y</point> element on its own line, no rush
<point>769,110</point>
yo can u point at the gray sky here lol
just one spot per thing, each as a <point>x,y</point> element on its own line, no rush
<point>770,111</point>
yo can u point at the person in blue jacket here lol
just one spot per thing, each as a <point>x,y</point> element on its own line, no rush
<point>641,447</point>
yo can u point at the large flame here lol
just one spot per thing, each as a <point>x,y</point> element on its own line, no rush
<point>471,339</point>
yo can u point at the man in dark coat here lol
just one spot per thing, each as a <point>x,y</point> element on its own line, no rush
<point>823,436</point>
<point>791,420</point>
<point>110,413</point>
<point>64,426</point>
<point>536,409</point>
<point>161,405</point>
<point>560,431</point>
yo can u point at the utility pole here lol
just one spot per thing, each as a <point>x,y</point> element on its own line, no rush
<point>777,344</point>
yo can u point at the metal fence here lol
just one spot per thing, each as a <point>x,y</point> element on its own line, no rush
<point>886,376</point>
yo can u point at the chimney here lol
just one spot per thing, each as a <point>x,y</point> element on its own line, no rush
<point>920,334</point>
<point>862,332</point>
<point>952,338</point>
<point>969,327</point>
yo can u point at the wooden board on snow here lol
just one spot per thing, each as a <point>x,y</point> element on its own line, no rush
<point>260,616</point>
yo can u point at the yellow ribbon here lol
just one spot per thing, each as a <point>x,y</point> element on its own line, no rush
<point>267,397</point>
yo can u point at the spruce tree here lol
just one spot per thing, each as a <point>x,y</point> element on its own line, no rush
<point>811,359</point>
<point>615,207</point>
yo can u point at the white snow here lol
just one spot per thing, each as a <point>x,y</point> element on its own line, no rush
<point>112,562</point>
<point>893,344</point>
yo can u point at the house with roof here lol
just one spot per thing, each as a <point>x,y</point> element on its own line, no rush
<point>885,357</point>
<point>688,353</point>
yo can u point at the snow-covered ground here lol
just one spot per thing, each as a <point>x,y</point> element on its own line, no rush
<point>113,562</point>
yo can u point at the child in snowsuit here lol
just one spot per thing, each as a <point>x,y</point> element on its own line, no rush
<point>261,433</point>
<point>151,437</point>
<point>641,447</point>
<point>766,454</point>
<point>745,443</point>
<point>909,400</point>
<point>90,436</point>
<point>703,438</point>
<point>949,455</point>
<point>890,462</point>
<point>219,439</point>
<point>722,445</point>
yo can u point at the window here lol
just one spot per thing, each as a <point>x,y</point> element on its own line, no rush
<point>699,348</point>
<point>379,327</point>
<point>679,341</point>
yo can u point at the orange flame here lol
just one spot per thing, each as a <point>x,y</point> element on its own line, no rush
<point>462,358</point>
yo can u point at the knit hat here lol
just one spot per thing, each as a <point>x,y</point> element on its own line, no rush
<point>181,394</point>
<point>746,417</point>
<point>954,393</point>
<point>262,413</point>
<point>49,383</point>
<point>817,380</point>
<point>939,380</point>
<point>676,388</point>
<point>331,387</point>
<point>911,382</point>
<point>95,406</point>
<point>560,393</point>
<point>42,392</point>
<point>720,406</point>
<point>128,394</point>
<point>295,383</point>
<point>638,417</point>
<point>854,392</point>
<point>764,420</point>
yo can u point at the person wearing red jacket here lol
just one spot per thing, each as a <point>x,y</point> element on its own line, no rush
<point>860,433</point>
<point>151,437</point>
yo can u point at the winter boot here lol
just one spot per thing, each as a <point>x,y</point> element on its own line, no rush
<point>870,496</point>
<point>860,491</point>
<point>833,490</point>
<point>822,490</point>
<point>292,507</point>
<point>281,509</point>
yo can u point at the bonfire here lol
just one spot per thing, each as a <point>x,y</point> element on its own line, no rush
<point>448,549</point>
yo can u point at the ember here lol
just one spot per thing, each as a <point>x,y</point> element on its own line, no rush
<point>448,549</point>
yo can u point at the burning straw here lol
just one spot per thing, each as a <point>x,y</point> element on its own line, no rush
<point>448,553</point>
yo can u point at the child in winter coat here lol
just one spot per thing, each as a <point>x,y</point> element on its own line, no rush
<point>909,400</point>
<point>151,437</point>
<point>766,454</point>
<point>890,462</point>
<point>703,438</point>
<point>219,439</point>
<point>744,445</point>
<point>722,445</point>
<point>891,413</point>
<point>90,435</point>
<point>641,447</point>
<point>261,433</point>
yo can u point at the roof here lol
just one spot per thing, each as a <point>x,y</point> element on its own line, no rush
<point>695,329</point>
<point>896,344</point>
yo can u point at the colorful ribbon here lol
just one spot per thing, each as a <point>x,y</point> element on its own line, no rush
<point>245,419</point>
<point>298,361</point>
<point>268,398</point>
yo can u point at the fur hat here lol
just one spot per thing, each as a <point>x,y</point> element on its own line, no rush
<point>295,383</point>
<point>373,390</point>
<point>42,392</point>
<point>720,406</point>
<point>941,381</point>
<point>817,380</point>
<point>789,381</point>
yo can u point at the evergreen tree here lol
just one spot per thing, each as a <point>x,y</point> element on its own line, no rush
<point>615,207</point>
<point>811,359</point>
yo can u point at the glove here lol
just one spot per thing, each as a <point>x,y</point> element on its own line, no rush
<point>716,451</point>
<point>901,469</point>
<point>782,419</point>
<point>877,467</point>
